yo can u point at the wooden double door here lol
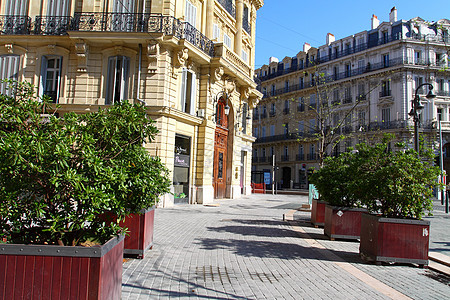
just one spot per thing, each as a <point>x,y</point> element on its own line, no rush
<point>220,151</point>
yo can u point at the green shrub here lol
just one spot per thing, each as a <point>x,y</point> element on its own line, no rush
<point>393,184</point>
<point>60,175</point>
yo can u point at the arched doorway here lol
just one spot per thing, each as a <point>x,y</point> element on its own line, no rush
<point>220,150</point>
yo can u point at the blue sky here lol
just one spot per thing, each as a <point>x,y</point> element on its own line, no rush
<point>283,26</point>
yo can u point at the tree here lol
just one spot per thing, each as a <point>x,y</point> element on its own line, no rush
<point>59,176</point>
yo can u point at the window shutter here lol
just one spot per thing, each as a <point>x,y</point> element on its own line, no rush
<point>183,89</point>
<point>124,79</point>
<point>193,94</point>
<point>9,69</point>
<point>110,80</point>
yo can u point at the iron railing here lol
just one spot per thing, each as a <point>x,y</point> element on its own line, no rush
<point>15,25</point>
<point>107,22</point>
<point>284,157</point>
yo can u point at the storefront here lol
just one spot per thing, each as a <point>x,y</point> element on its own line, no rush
<point>181,169</point>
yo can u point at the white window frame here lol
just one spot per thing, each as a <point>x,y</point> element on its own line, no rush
<point>244,55</point>
<point>46,83</point>
<point>118,73</point>
<point>216,32</point>
<point>188,91</point>
<point>190,14</point>
<point>227,40</point>
<point>9,69</point>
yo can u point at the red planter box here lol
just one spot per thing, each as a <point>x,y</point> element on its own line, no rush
<point>140,235</point>
<point>61,272</point>
<point>394,240</point>
<point>318,212</point>
<point>343,222</point>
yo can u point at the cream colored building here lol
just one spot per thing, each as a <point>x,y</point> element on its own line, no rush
<point>366,81</point>
<point>187,61</point>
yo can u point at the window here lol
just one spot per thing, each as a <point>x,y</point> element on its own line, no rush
<point>301,82</point>
<point>417,57</point>
<point>361,91</point>
<point>385,88</point>
<point>418,80</point>
<point>9,69</point>
<point>263,152</point>
<point>336,72</point>
<point>312,126</point>
<point>256,132</point>
<point>348,70</point>
<point>287,66</point>
<point>386,60</point>
<point>188,91</point>
<point>117,79</point>
<point>286,128</point>
<point>272,130</point>
<point>441,84</point>
<point>361,118</point>
<point>273,89</point>
<point>121,11</point>
<point>272,109</point>
<point>50,77</point>
<point>16,8</point>
<point>336,96</point>
<point>244,56</point>
<point>245,18</point>
<point>216,32</point>
<point>386,115</point>
<point>301,63</point>
<point>286,86</point>
<point>385,36</point>
<point>227,40</point>
<point>439,114</point>
<point>191,13</point>
<point>263,131</point>
<point>361,65</point>
<point>312,100</point>
<point>61,8</point>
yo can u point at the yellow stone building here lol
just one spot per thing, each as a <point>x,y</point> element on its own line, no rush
<point>190,62</point>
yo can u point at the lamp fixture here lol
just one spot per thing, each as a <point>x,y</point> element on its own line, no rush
<point>416,107</point>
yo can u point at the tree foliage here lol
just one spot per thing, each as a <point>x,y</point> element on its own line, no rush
<point>60,175</point>
<point>394,184</point>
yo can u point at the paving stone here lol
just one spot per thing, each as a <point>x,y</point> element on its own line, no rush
<point>243,249</point>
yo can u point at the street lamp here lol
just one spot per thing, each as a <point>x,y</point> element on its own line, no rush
<point>416,107</point>
<point>221,95</point>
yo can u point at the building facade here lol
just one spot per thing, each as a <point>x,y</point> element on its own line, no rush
<point>351,90</point>
<point>190,62</point>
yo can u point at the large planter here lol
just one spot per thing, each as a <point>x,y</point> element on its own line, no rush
<point>394,240</point>
<point>61,272</point>
<point>140,232</point>
<point>318,212</point>
<point>343,222</point>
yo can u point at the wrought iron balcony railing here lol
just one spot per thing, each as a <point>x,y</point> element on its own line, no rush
<point>284,157</point>
<point>15,25</point>
<point>300,157</point>
<point>107,22</point>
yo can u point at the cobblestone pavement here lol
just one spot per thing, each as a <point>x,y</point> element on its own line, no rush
<point>242,249</point>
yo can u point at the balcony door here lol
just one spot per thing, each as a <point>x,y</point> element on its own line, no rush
<point>122,15</point>
<point>16,7</point>
<point>58,8</point>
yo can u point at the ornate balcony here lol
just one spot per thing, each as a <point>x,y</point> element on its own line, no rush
<point>15,25</point>
<point>107,22</point>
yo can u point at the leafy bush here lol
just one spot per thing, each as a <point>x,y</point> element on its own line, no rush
<point>60,175</point>
<point>393,184</point>
<point>334,181</point>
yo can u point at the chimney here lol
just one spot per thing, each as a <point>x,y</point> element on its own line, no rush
<point>273,59</point>
<point>306,47</point>
<point>330,38</point>
<point>375,22</point>
<point>393,15</point>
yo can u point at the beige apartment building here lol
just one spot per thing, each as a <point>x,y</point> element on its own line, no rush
<point>190,62</point>
<point>363,84</point>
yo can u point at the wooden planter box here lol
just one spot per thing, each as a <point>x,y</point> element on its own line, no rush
<point>394,240</point>
<point>318,212</point>
<point>140,235</point>
<point>343,222</point>
<point>61,272</point>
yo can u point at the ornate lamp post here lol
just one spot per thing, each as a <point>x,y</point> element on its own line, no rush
<point>416,107</point>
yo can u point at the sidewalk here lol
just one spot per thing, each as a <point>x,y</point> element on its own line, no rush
<point>242,249</point>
